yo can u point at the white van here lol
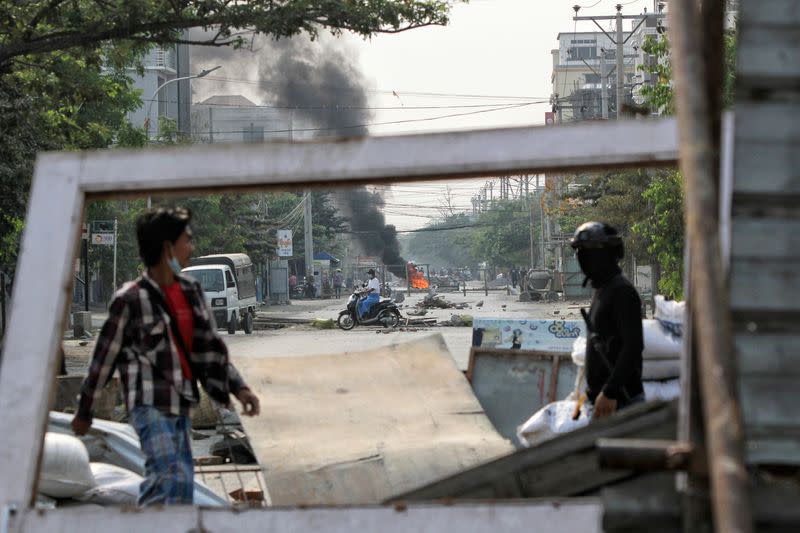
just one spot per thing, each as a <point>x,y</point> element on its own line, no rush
<point>229,283</point>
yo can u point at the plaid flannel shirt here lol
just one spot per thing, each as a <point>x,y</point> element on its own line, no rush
<point>137,340</point>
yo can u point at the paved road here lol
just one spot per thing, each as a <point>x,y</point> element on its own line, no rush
<point>301,341</point>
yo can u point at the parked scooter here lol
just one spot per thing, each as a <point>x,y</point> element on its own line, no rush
<point>384,313</point>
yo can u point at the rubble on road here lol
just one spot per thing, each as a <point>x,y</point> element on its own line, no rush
<point>439,302</point>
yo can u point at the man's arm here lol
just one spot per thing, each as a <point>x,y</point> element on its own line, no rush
<point>628,321</point>
<point>104,360</point>
<point>209,342</point>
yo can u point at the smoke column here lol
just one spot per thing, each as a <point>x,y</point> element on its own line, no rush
<point>322,86</point>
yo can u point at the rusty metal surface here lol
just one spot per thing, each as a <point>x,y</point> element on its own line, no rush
<point>511,385</point>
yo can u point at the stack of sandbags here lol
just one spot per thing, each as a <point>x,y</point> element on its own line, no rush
<point>663,339</point>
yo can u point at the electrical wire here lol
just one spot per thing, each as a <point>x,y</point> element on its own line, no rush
<point>357,126</point>
<point>373,91</point>
<point>344,107</point>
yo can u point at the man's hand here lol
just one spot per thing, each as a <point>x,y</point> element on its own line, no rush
<point>80,426</point>
<point>249,401</point>
<point>604,407</point>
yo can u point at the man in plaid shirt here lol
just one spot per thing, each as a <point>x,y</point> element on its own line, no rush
<point>162,338</point>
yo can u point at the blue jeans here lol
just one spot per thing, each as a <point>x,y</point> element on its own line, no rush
<point>365,304</point>
<point>169,468</point>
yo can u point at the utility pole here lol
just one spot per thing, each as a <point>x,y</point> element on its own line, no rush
<point>114,275</point>
<point>619,41</point>
<point>603,86</point>
<point>308,233</point>
<point>530,213</point>
<point>620,63</point>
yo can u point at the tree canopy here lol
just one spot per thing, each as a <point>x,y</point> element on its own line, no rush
<point>41,27</point>
<point>65,67</point>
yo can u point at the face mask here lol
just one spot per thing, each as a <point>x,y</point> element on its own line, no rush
<point>174,264</point>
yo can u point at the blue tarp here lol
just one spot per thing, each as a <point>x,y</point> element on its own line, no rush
<point>324,256</point>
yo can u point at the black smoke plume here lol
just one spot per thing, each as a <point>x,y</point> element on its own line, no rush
<point>376,237</point>
<point>320,83</point>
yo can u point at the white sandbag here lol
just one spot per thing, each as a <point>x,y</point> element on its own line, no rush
<point>662,390</point>
<point>579,351</point>
<point>119,486</point>
<point>669,310</point>
<point>115,486</point>
<point>660,369</point>
<point>552,420</point>
<point>662,340</point>
<point>65,471</point>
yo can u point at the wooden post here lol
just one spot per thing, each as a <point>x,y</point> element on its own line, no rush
<point>708,299</point>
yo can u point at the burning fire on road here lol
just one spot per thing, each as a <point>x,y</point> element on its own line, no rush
<point>416,279</point>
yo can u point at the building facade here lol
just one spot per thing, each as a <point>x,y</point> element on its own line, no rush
<point>161,65</point>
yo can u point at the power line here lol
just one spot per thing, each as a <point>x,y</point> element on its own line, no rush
<point>354,126</point>
<point>344,107</point>
<point>373,91</point>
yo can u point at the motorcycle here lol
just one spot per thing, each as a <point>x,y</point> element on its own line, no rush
<point>384,313</point>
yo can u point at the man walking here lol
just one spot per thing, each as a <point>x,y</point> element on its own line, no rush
<point>162,338</point>
<point>614,322</point>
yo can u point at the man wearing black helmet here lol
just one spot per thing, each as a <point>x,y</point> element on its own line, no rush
<point>614,322</point>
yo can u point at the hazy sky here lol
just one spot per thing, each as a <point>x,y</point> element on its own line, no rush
<point>496,51</point>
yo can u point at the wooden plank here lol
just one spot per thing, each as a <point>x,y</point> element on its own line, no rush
<point>768,355</point>
<point>763,121</point>
<point>769,167</point>
<point>768,285</point>
<point>384,158</point>
<point>766,238</point>
<point>32,344</point>
<point>550,516</point>
<point>770,403</point>
<point>768,13</point>
<point>359,427</point>
<point>775,449</point>
<point>769,58</point>
<point>651,420</point>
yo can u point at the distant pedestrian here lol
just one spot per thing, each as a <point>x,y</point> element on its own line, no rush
<point>338,281</point>
<point>514,277</point>
<point>292,284</point>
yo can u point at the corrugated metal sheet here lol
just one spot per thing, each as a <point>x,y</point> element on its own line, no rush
<point>765,244</point>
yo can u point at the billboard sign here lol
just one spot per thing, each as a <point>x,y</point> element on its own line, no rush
<point>284,243</point>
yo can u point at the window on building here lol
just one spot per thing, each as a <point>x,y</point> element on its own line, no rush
<point>592,78</point>
<point>576,53</point>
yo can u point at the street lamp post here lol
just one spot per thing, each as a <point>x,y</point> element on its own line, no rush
<point>201,74</point>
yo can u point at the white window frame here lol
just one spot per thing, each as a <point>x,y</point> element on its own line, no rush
<point>63,183</point>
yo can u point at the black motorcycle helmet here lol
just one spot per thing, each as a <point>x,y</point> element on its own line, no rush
<point>598,236</point>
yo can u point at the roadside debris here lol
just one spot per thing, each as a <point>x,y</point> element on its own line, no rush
<point>439,302</point>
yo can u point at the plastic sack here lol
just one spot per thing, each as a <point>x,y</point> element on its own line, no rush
<point>661,369</point>
<point>662,340</point>
<point>579,351</point>
<point>115,486</point>
<point>662,390</point>
<point>120,486</point>
<point>65,471</point>
<point>669,310</point>
<point>552,420</point>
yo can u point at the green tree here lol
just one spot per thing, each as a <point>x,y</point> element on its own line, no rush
<point>63,77</point>
<point>502,233</point>
<point>444,243</point>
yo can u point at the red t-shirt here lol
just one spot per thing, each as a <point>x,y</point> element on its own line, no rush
<point>182,312</point>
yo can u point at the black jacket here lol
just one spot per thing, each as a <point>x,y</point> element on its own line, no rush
<point>615,343</point>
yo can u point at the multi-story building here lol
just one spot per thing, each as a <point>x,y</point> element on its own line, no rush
<point>579,63</point>
<point>174,100</point>
<point>234,118</point>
